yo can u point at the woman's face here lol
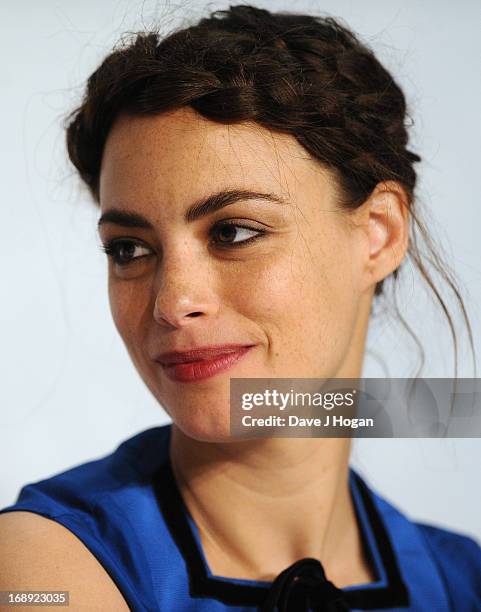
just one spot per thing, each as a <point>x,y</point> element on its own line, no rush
<point>297,292</point>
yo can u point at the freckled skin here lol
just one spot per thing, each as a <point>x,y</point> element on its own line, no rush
<point>302,292</point>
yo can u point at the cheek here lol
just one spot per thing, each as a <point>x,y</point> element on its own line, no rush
<point>128,307</point>
<point>305,301</point>
<point>119,306</point>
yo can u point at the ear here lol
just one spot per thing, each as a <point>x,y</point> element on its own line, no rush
<point>386,216</point>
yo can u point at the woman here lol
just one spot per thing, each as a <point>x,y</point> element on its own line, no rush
<point>255,190</point>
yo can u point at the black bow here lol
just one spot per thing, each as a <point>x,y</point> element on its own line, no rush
<point>303,587</point>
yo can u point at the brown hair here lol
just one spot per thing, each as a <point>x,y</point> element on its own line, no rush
<point>303,75</point>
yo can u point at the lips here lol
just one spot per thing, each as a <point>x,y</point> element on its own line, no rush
<point>198,354</point>
<point>199,364</point>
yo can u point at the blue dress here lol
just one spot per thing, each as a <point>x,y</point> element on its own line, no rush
<point>127,510</point>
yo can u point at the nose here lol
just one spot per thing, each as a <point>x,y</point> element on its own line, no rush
<point>185,294</point>
<point>181,312</point>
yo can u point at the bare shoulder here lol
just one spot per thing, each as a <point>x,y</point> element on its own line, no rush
<point>40,554</point>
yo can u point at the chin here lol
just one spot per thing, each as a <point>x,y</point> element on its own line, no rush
<point>204,426</point>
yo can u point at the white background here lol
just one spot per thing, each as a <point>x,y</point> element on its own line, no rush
<point>69,392</point>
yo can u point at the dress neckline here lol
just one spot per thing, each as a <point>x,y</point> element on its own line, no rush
<point>388,589</point>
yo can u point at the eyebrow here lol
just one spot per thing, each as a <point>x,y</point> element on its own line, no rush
<point>200,208</point>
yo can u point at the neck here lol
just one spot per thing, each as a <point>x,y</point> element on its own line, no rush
<point>260,505</point>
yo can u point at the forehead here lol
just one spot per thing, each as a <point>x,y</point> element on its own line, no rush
<point>180,154</point>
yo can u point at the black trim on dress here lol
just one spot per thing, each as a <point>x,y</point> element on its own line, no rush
<point>173,508</point>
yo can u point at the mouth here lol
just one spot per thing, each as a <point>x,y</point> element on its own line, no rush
<point>195,365</point>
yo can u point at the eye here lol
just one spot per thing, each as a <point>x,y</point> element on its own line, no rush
<point>122,251</point>
<point>119,250</point>
<point>228,230</point>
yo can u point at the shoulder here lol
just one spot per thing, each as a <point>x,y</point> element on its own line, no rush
<point>437,563</point>
<point>458,555</point>
<point>85,521</point>
<point>41,552</point>
<point>458,558</point>
<point>76,491</point>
